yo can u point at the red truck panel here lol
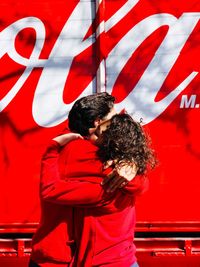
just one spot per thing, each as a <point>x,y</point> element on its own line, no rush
<point>143,52</point>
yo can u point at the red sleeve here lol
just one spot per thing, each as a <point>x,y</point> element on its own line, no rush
<point>137,186</point>
<point>72,192</point>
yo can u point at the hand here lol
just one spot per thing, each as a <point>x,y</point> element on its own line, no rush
<point>127,170</point>
<point>120,176</point>
<point>66,138</point>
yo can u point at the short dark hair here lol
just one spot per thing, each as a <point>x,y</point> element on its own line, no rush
<point>87,109</point>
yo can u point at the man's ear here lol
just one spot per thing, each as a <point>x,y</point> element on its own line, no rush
<point>97,122</point>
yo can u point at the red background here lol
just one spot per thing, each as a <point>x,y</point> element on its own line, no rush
<point>174,185</point>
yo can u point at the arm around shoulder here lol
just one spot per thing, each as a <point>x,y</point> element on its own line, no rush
<point>71,192</point>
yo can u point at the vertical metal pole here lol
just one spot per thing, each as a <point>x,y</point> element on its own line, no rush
<point>100,35</point>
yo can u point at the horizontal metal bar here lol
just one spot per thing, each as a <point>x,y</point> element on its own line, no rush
<point>154,226</point>
<point>168,226</point>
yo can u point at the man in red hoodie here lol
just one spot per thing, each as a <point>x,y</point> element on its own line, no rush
<point>53,243</point>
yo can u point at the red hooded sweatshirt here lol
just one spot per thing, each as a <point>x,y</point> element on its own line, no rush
<point>81,225</point>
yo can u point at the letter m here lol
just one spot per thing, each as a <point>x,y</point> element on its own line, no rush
<point>188,103</point>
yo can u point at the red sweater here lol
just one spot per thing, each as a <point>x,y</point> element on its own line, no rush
<point>101,224</point>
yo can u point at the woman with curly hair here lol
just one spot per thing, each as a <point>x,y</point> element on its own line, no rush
<point>122,143</point>
<point>123,140</point>
<point>103,232</point>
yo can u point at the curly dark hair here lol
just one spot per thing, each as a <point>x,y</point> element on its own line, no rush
<point>124,140</point>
